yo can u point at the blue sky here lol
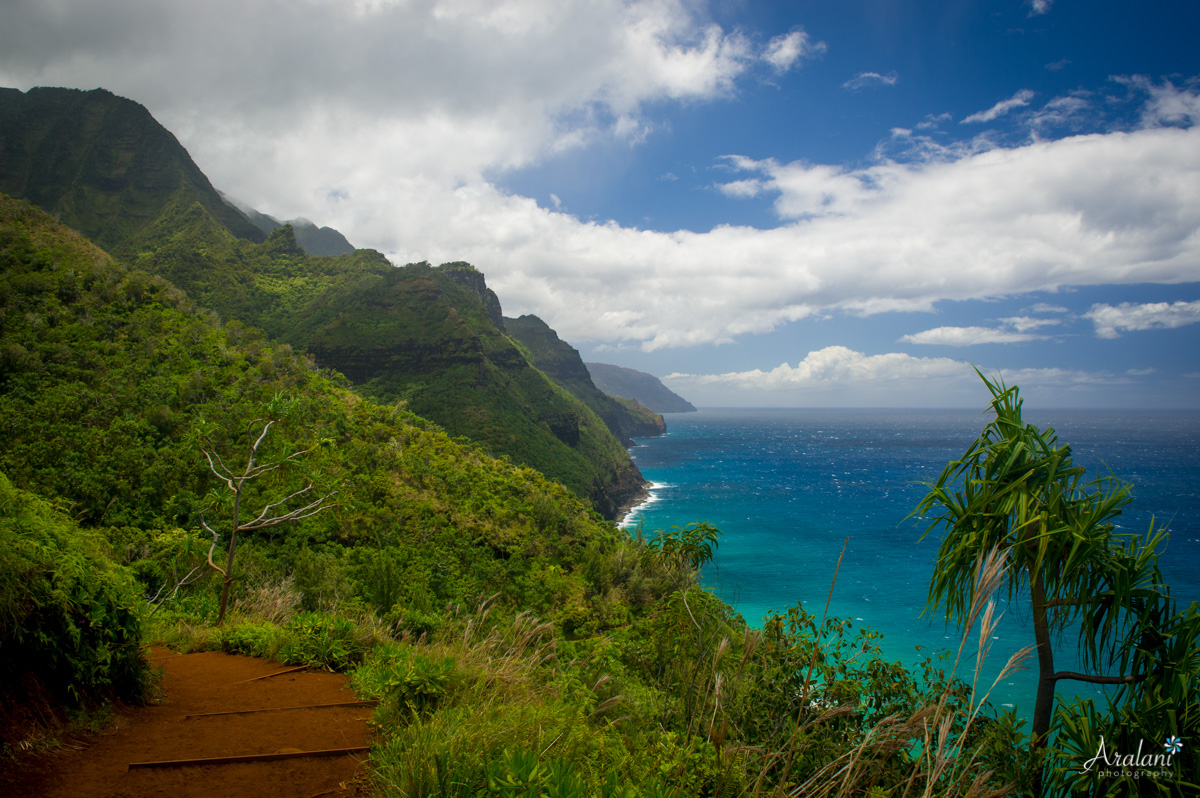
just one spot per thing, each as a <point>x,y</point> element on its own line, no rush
<point>764,203</point>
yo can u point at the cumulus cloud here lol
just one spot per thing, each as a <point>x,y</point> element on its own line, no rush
<point>1039,7</point>
<point>864,79</point>
<point>847,377</point>
<point>833,365</point>
<point>1019,100</point>
<point>1112,320</point>
<point>391,121</point>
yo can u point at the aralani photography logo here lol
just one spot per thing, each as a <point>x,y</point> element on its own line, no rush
<point>1152,763</point>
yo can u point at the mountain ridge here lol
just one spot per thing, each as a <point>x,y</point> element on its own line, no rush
<point>645,388</point>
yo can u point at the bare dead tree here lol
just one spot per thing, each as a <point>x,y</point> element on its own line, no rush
<point>271,514</point>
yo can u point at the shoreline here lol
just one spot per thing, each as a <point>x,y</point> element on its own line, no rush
<point>634,504</point>
<point>647,496</point>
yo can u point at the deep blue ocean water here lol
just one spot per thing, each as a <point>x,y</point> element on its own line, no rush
<point>787,487</point>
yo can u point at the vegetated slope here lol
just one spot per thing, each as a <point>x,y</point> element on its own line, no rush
<point>634,384</point>
<point>104,166</point>
<point>112,384</point>
<point>354,311</point>
<point>432,337</point>
<point>561,362</point>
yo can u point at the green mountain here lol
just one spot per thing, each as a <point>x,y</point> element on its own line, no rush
<point>625,418</point>
<point>113,383</point>
<point>640,386</point>
<point>433,338</point>
<point>312,239</point>
<point>102,165</point>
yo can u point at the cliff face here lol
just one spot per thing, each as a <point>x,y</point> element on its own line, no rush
<point>561,362</point>
<point>640,386</point>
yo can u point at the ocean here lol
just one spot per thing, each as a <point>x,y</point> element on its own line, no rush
<point>789,487</point>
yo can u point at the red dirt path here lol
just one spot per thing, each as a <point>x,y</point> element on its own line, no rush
<point>215,682</point>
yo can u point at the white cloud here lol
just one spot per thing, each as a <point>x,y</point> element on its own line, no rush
<point>838,375</point>
<point>785,52</point>
<point>933,121</point>
<point>1018,100</point>
<point>968,336</point>
<point>1112,320</point>
<point>865,79</point>
<point>1041,217</point>
<point>742,189</point>
<point>1026,323</point>
<point>1039,7</point>
<point>390,121</point>
<point>446,88</point>
<point>1169,104</point>
<point>833,365</point>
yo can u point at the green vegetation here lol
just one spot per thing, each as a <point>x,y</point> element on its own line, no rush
<point>103,166</point>
<point>70,620</point>
<point>1017,493</point>
<point>424,335</point>
<point>431,337</point>
<point>518,643</point>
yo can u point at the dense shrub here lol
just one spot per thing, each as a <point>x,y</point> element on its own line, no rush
<point>69,624</point>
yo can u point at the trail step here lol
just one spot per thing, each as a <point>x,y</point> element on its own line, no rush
<point>282,709</point>
<point>233,760</point>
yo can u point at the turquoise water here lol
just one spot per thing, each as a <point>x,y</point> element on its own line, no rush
<point>789,487</point>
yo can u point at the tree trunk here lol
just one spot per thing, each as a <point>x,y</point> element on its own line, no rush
<point>233,541</point>
<point>1043,707</point>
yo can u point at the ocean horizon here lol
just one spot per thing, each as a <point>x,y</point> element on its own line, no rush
<point>789,487</point>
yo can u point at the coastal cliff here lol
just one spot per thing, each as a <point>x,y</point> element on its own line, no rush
<point>625,418</point>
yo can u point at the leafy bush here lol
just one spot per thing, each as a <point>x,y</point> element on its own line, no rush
<point>324,641</point>
<point>69,622</point>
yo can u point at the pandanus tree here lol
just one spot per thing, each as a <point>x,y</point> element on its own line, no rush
<point>1017,490</point>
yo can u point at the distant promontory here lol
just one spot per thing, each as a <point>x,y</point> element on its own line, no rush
<point>633,384</point>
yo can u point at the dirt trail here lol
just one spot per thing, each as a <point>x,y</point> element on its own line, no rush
<point>196,684</point>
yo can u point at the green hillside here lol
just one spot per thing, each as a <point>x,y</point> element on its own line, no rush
<point>425,335</point>
<point>627,419</point>
<point>432,337</point>
<point>112,384</point>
